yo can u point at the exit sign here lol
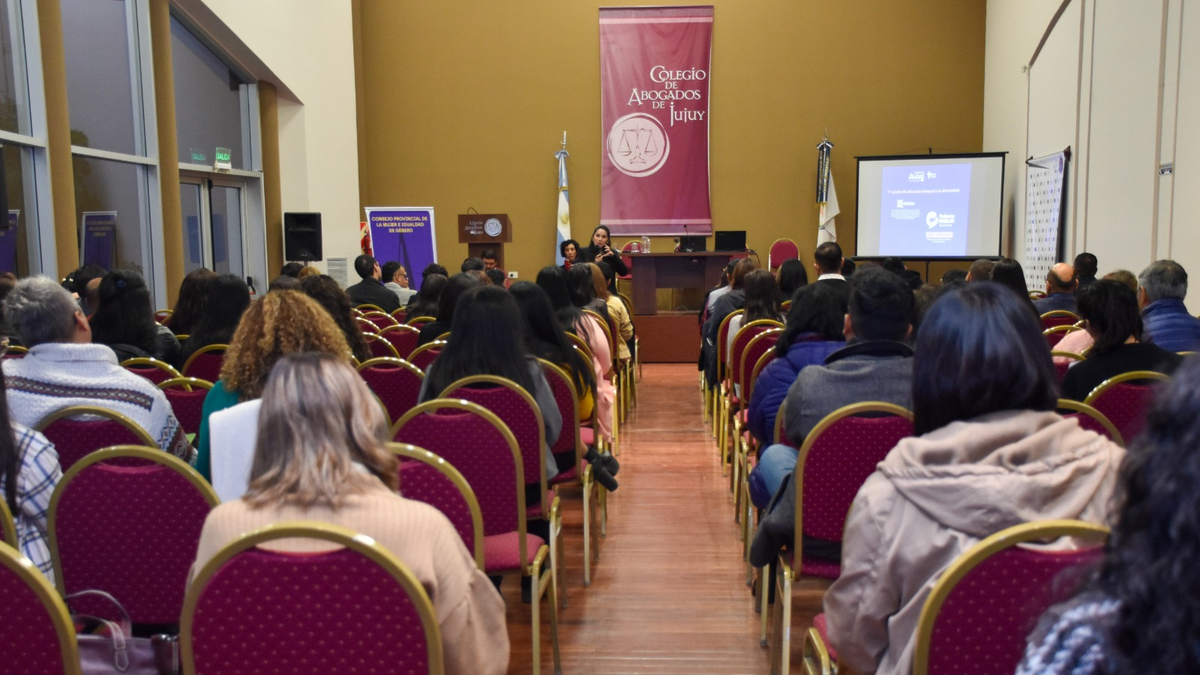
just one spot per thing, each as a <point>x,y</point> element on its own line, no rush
<point>223,160</point>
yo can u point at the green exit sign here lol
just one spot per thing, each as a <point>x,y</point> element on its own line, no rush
<point>198,156</point>
<point>223,159</point>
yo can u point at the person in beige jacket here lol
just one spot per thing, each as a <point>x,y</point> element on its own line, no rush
<point>320,456</point>
<point>990,454</point>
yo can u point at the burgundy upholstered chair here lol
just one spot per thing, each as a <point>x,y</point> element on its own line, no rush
<point>38,636</point>
<point>16,352</point>
<point>836,458</point>
<point>1125,399</point>
<point>129,530</point>
<point>485,452</point>
<point>355,609</point>
<point>419,322</point>
<point>152,369</point>
<point>380,320</point>
<point>1060,369</point>
<point>781,251</point>
<point>1090,418</point>
<point>749,344</point>
<point>403,338</point>
<point>396,382</point>
<point>380,347</point>
<point>424,355</point>
<point>1055,334</point>
<point>186,396</point>
<point>77,431</point>
<point>428,478</point>
<point>8,526</point>
<point>720,412</point>
<point>205,363</point>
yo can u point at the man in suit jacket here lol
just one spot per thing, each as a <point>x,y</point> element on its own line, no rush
<point>371,291</point>
<point>828,261</point>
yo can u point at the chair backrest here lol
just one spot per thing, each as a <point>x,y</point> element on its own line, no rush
<point>38,636</point>
<point>1055,334</point>
<point>161,315</point>
<point>428,478</point>
<point>722,340</point>
<point>16,352</point>
<point>837,457</point>
<point>403,338</point>
<point>782,250</point>
<point>984,606</point>
<point>1037,295</point>
<point>186,396</point>
<point>152,369</point>
<point>608,332</point>
<point>398,315</point>
<point>1059,317</point>
<point>396,382</point>
<point>758,353</point>
<point>356,609</point>
<point>474,441</point>
<point>426,354</point>
<point>380,347</point>
<point>1060,368</point>
<point>367,308</point>
<point>1090,418</point>
<point>519,412</point>
<point>131,531</point>
<point>419,322</point>
<point>380,320</point>
<point>1125,399</point>
<point>741,340</point>
<point>566,398</point>
<point>580,344</point>
<point>779,437</point>
<point>205,363</point>
<point>8,526</point>
<point>75,432</point>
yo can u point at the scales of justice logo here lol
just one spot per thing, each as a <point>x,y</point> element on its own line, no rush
<point>638,145</point>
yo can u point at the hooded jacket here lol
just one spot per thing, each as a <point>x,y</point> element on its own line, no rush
<point>935,496</point>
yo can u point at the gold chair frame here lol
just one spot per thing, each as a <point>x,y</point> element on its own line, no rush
<point>1070,355</point>
<point>367,308</point>
<point>738,447</point>
<point>730,426</point>
<point>1083,408</point>
<point>95,411</point>
<point>717,393</point>
<point>436,344</point>
<point>207,349</point>
<point>60,616</point>
<point>343,537</point>
<point>8,525</point>
<point>186,383</point>
<point>144,361</point>
<point>422,319</point>
<point>1058,313</point>
<point>376,337</point>
<point>416,454</point>
<point>1131,376</point>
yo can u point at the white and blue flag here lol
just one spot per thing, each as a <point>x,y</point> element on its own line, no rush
<point>564,203</point>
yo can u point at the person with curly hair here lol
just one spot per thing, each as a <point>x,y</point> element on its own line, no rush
<point>326,292</point>
<point>280,323</point>
<point>1141,614</point>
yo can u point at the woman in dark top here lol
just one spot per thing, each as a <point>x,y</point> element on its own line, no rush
<point>569,250</point>
<point>227,300</point>
<point>1009,273</point>
<point>456,286</point>
<point>581,285</point>
<point>792,277</point>
<point>1114,322</point>
<point>125,320</point>
<point>193,293</point>
<point>425,302</point>
<point>329,295</point>
<point>601,250</point>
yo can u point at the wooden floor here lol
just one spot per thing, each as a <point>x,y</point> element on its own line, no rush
<point>668,594</point>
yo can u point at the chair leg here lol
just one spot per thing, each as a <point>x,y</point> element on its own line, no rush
<point>587,528</point>
<point>784,599</point>
<point>764,579</point>
<point>604,513</point>
<point>554,647</point>
<point>536,627</point>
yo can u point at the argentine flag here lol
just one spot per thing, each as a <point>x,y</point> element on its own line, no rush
<point>564,204</point>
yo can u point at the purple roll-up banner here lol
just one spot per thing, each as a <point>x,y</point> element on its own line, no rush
<point>404,234</point>
<point>99,238</point>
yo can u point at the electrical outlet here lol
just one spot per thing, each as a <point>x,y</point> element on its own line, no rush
<point>512,275</point>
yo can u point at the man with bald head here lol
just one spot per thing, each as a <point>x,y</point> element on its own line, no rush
<point>1060,289</point>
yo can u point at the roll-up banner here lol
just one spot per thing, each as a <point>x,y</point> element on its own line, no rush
<point>99,230</point>
<point>654,93</point>
<point>404,234</point>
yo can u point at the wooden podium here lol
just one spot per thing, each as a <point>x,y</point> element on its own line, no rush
<point>653,271</point>
<point>481,231</point>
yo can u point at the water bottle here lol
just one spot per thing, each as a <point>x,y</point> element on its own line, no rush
<point>645,244</point>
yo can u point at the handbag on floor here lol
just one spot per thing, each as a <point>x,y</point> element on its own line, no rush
<point>116,652</point>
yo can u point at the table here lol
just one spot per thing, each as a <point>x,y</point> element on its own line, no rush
<point>653,271</point>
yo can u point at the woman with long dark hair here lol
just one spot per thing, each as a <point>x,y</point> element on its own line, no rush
<point>425,302</point>
<point>989,453</point>
<point>762,303</point>
<point>227,301</point>
<point>1009,273</point>
<point>601,250</point>
<point>329,295</point>
<point>792,277</point>
<point>456,286</point>
<point>193,294</point>
<point>1142,613</point>
<point>125,320</point>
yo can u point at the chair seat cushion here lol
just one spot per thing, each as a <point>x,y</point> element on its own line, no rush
<point>569,476</point>
<point>823,630</point>
<point>815,567</point>
<point>503,551</point>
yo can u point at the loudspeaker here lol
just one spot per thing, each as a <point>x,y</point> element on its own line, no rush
<point>302,236</point>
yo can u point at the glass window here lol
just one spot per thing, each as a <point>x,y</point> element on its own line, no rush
<point>208,101</point>
<point>17,196</point>
<point>193,239</point>
<point>109,214</point>
<point>226,204</point>
<point>100,91</point>
<point>14,93</point>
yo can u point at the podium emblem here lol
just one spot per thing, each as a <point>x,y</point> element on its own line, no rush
<point>492,227</point>
<point>638,145</point>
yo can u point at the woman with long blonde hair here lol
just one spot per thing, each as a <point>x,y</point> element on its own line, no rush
<point>321,455</point>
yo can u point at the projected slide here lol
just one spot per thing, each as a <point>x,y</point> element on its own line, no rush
<point>925,209</point>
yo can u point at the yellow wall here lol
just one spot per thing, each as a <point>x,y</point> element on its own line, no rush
<point>466,101</point>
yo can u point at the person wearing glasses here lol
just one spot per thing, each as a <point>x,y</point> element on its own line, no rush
<point>395,279</point>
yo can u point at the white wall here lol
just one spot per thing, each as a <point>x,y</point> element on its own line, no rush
<point>309,44</point>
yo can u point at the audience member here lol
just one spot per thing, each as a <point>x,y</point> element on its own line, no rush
<point>950,276</point>
<point>1139,614</point>
<point>311,465</point>
<point>925,299</point>
<point>875,365</point>
<point>309,271</point>
<point>1124,276</point>
<point>472,264</point>
<point>78,283</point>
<point>726,304</point>
<point>291,269</point>
<point>64,369</point>
<point>495,276</point>
<point>581,284</point>
<point>193,294</point>
<point>456,286</point>
<point>813,331</point>
<point>1111,312</point>
<point>762,304</point>
<point>601,250</point>
<point>848,268</point>
<point>714,294</point>
<point>602,274</point>
<point>29,472</point>
<point>569,250</point>
<point>273,326</point>
<point>489,259</point>
<point>425,302</point>
<point>1060,290</point>
<point>371,291</point>
<point>1009,273</point>
<point>124,321</point>
<point>433,268</point>
<point>1079,341</point>
<point>828,262</point>
<point>1086,266</point>
<point>989,453</point>
<point>792,277</point>
<point>335,301</point>
<point>396,280</point>
<point>284,283</point>
<point>981,270</point>
<point>1167,323</point>
<point>228,299</point>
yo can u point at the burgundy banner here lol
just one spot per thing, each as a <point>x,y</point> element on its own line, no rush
<point>654,68</point>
